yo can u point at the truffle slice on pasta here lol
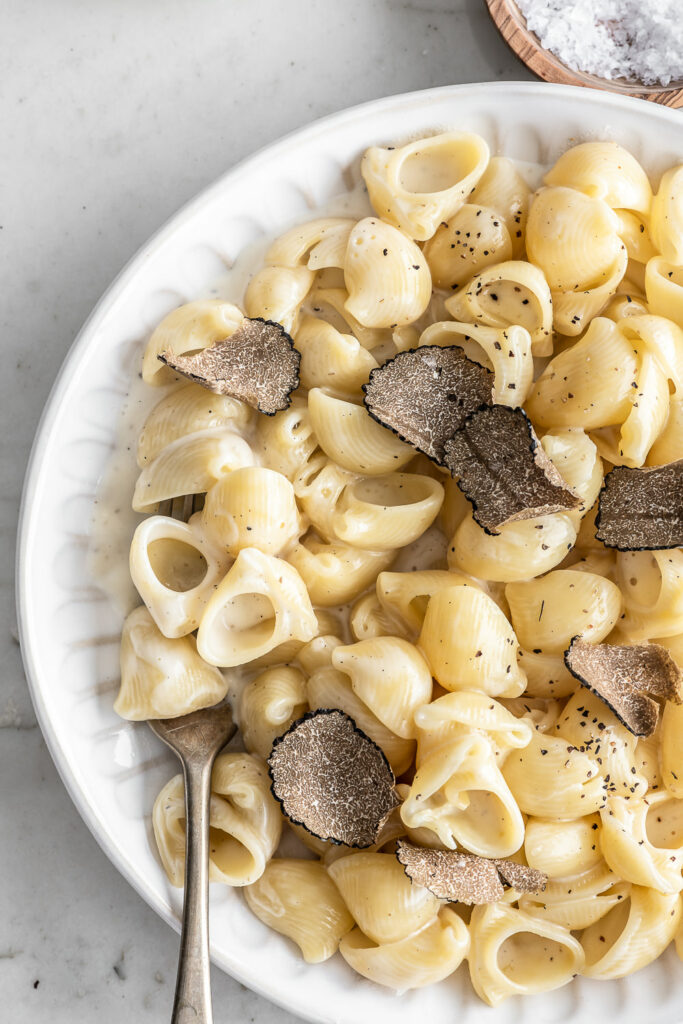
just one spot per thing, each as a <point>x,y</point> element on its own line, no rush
<point>463,877</point>
<point>258,364</point>
<point>332,779</point>
<point>642,509</point>
<point>503,470</point>
<point>425,394</point>
<point>627,678</point>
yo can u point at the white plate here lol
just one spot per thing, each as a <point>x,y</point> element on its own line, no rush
<point>69,631</point>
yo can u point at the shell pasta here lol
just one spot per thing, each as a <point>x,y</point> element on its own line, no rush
<point>409,515</point>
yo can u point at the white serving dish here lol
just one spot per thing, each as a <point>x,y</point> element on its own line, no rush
<point>69,630</point>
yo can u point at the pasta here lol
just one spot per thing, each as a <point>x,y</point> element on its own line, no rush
<point>332,566</point>
<point>244,817</point>
<point>162,677</point>
<point>299,899</point>
<point>175,568</point>
<point>261,603</point>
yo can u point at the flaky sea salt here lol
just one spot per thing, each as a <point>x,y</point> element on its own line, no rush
<point>632,39</point>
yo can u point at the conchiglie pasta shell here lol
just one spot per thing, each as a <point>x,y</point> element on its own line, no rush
<point>671,749</point>
<point>336,573</point>
<point>331,360</point>
<point>514,953</point>
<point>187,410</point>
<point>328,688</point>
<point>563,848</point>
<point>589,383</point>
<point>330,304</point>
<point>571,237</point>
<point>603,170</point>
<point>666,216</point>
<point>417,186</point>
<point>293,249</point>
<point>474,238</point>
<point>632,935</point>
<point>252,507</point>
<point>546,674</point>
<point>508,293</point>
<point>652,585</point>
<point>190,328</point>
<point>425,958</point>
<point>663,339</point>
<point>297,898</point>
<point>406,594</point>
<point>459,794</point>
<point>351,438</point>
<point>391,678</point>
<point>285,442</point>
<point>664,289</point>
<point>384,903</point>
<point>574,308</point>
<point>669,444</point>
<point>190,465</point>
<point>563,783</point>
<point>631,445</point>
<point>576,458</point>
<point>261,603</point>
<point>388,511</point>
<point>162,678</point>
<point>270,703</point>
<point>369,618</point>
<point>469,643</point>
<point>386,276</point>
<point>628,849</point>
<point>175,569</point>
<point>520,551</point>
<point>245,822</point>
<point>575,914</point>
<point>466,711</point>
<point>277,293</point>
<point>547,613</point>
<point>503,189</point>
<point>634,234</point>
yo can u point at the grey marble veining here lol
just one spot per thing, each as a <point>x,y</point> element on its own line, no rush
<point>114,114</point>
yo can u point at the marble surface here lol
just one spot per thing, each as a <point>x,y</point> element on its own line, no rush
<point>114,114</point>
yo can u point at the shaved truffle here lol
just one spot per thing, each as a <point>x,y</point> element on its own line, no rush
<point>257,364</point>
<point>627,678</point>
<point>521,877</point>
<point>642,509</point>
<point>333,779</point>
<point>464,877</point>
<point>425,394</point>
<point>502,469</point>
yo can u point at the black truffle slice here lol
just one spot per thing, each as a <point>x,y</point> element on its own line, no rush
<point>258,364</point>
<point>502,469</point>
<point>627,678</point>
<point>464,877</point>
<point>424,395</point>
<point>521,877</point>
<point>642,509</point>
<point>333,779</point>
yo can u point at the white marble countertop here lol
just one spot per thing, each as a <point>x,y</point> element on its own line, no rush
<point>113,114</point>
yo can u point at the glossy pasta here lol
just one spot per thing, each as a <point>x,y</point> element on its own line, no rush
<point>332,566</point>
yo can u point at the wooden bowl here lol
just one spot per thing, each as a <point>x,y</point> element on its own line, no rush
<point>511,24</point>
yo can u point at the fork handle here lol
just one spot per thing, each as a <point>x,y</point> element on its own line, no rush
<point>192,1003</point>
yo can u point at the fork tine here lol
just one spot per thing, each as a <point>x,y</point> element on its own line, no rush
<point>188,507</point>
<point>182,507</point>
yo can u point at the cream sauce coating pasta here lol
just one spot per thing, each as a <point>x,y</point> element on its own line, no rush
<point>331,566</point>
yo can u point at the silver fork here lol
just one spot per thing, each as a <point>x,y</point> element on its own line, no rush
<point>196,739</point>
